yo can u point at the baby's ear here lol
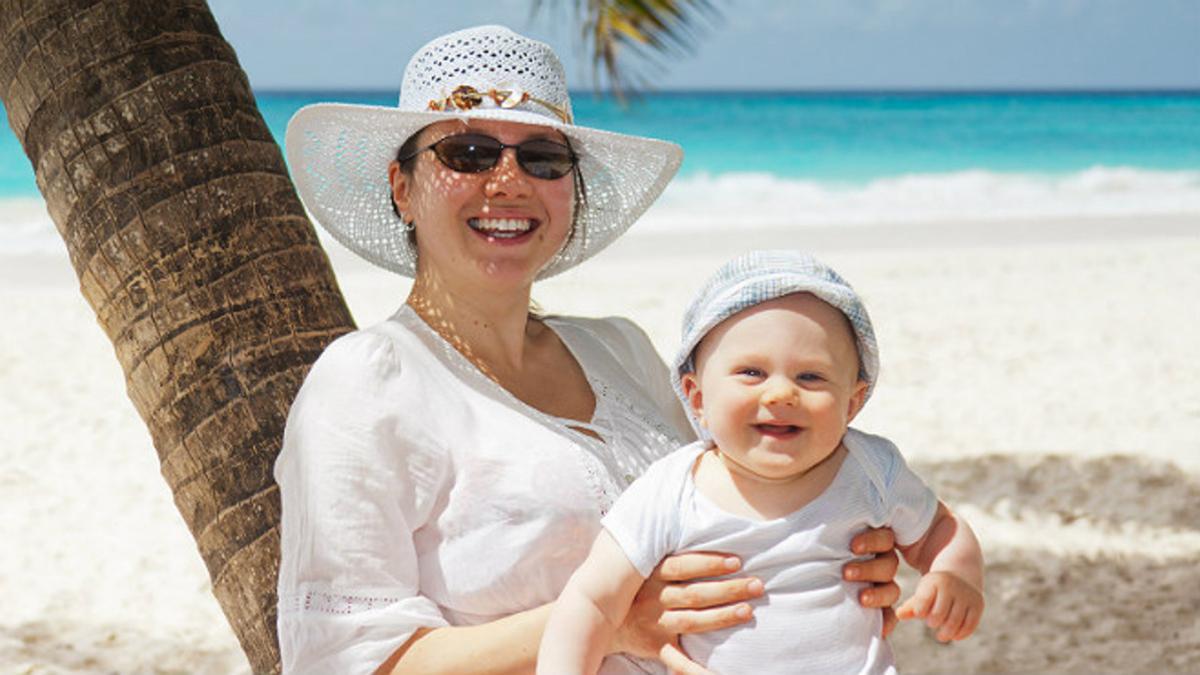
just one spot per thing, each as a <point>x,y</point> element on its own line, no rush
<point>695,398</point>
<point>857,398</point>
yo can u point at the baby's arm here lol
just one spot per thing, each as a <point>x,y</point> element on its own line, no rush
<point>950,594</point>
<point>589,611</point>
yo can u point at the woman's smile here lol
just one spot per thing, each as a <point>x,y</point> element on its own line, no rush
<point>504,229</point>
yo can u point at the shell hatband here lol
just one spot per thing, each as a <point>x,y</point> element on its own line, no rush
<point>466,97</point>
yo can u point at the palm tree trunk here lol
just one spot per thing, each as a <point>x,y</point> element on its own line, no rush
<point>191,246</point>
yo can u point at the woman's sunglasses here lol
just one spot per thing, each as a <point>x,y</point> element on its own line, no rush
<point>476,153</point>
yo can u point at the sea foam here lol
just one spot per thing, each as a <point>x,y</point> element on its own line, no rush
<point>760,199</point>
<point>765,200</point>
<point>26,228</point>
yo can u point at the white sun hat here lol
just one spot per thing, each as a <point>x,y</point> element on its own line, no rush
<point>339,153</point>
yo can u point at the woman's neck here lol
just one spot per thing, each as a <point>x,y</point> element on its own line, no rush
<point>488,327</point>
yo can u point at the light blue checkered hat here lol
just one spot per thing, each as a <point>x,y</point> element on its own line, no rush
<point>759,276</point>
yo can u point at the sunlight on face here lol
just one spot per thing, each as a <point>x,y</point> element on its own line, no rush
<point>494,229</point>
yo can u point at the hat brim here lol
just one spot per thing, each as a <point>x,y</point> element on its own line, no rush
<point>339,155</point>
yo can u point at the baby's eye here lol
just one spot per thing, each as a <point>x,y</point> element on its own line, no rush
<point>750,372</point>
<point>810,377</point>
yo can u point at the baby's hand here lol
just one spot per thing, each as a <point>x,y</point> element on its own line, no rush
<point>947,603</point>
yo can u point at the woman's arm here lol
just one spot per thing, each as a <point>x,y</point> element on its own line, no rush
<point>507,645</point>
<point>668,603</point>
<point>671,602</point>
<point>352,490</point>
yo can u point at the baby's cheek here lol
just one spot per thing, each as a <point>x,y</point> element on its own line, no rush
<point>825,404</point>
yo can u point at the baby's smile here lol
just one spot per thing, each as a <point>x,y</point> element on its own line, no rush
<point>777,430</point>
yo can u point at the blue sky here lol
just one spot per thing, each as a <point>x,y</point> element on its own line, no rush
<point>756,44</point>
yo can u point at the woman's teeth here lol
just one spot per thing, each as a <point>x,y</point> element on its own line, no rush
<point>501,227</point>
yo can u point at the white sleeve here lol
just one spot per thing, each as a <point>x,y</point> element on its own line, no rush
<point>644,520</point>
<point>654,373</point>
<point>355,482</point>
<point>911,502</point>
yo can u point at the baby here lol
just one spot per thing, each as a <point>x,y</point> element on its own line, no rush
<point>778,356</point>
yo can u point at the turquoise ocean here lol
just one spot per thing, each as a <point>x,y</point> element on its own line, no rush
<point>798,158</point>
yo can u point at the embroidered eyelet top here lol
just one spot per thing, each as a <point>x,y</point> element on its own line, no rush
<point>417,492</point>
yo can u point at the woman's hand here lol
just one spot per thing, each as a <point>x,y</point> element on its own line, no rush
<point>880,571</point>
<point>671,603</point>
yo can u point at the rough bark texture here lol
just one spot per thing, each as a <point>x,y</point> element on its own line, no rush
<point>192,248</point>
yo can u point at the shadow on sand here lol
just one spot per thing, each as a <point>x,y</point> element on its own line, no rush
<point>54,646</point>
<point>1112,609</point>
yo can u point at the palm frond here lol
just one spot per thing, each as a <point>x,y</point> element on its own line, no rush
<point>643,29</point>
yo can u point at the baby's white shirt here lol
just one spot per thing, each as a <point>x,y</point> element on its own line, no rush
<point>809,619</point>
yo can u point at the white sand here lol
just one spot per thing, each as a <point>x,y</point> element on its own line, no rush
<point>1042,376</point>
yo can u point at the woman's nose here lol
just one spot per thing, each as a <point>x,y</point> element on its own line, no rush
<point>507,178</point>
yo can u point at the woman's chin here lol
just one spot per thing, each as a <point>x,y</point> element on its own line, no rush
<point>519,261</point>
<point>500,271</point>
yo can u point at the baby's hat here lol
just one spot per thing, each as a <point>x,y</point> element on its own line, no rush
<point>759,276</point>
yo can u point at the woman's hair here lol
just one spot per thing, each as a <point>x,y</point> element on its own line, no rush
<point>407,157</point>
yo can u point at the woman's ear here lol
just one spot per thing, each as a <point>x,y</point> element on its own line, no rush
<point>695,398</point>
<point>857,398</point>
<point>400,182</point>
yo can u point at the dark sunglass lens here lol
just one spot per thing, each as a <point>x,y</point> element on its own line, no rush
<point>545,159</point>
<point>468,153</point>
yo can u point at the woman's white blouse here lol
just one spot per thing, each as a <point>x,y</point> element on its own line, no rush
<point>418,492</point>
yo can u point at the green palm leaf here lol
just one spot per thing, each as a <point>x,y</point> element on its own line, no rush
<point>645,29</point>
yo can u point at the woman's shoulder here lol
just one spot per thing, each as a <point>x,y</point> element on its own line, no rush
<point>361,391</point>
<point>361,365</point>
<point>620,335</point>
<point>602,324</point>
<point>372,349</point>
<point>358,356</point>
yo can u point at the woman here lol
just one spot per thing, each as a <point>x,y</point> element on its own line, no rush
<point>444,472</point>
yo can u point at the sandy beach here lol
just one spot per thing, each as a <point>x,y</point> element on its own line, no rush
<point>1041,375</point>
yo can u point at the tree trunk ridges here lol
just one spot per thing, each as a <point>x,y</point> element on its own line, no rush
<point>227,284</point>
<point>192,248</point>
<point>151,173</point>
<point>253,587</point>
<point>73,52</point>
<point>180,249</point>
